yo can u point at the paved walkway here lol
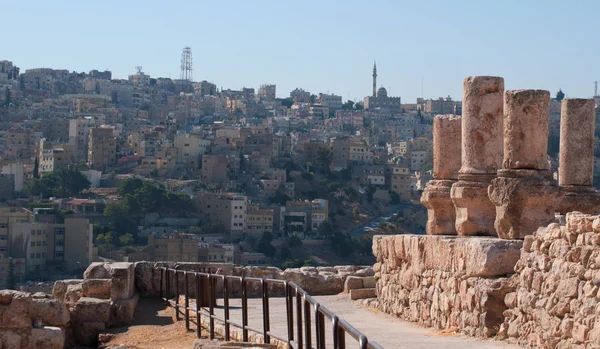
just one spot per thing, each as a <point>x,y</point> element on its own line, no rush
<point>389,332</point>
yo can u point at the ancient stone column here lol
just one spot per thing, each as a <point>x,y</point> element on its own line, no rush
<point>576,167</point>
<point>441,214</point>
<point>481,154</point>
<point>524,193</point>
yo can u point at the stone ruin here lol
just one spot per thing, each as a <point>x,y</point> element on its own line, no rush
<point>496,260</point>
<point>79,310</point>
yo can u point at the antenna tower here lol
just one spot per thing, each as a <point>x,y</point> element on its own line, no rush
<point>595,88</point>
<point>186,64</point>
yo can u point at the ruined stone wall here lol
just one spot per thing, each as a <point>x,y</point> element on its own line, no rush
<point>445,282</point>
<point>555,302</point>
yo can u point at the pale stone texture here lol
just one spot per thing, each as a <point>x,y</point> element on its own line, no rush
<point>47,338</point>
<point>524,193</point>
<point>122,281</point>
<point>60,288</point>
<point>446,146</point>
<point>481,154</point>
<point>577,142</point>
<point>97,288</point>
<point>482,124</point>
<point>445,282</point>
<point>526,121</point>
<point>576,170</point>
<point>441,214</point>
<point>362,293</point>
<point>555,302</point>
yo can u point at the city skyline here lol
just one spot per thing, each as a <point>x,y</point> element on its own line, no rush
<point>319,47</point>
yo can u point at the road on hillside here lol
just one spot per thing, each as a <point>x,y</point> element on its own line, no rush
<point>390,211</point>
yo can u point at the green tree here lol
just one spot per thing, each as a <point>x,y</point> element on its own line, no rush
<point>358,106</point>
<point>36,168</point>
<point>324,159</point>
<point>7,97</point>
<point>120,221</point>
<point>126,240</point>
<point>129,186</point>
<point>196,230</point>
<point>326,228</point>
<point>294,241</point>
<point>394,198</point>
<point>560,95</point>
<point>265,247</point>
<point>349,105</point>
<point>341,244</point>
<point>355,213</point>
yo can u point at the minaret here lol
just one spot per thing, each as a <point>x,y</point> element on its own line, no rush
<point>374,79</point>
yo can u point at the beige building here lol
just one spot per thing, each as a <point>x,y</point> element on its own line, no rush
<point>191,145</point>
<point>401,181</point>
<point>359,153</point>
<point>53,157</point>
<point>180,248</point>
<point>215,168</point>
<point>8,217</point>
<point>258,221</point>
<point>268,92</point>
<point>228,209</point>
<point>102,148</point>
<point>21,143</point>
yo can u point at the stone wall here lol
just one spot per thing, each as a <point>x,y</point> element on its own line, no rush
<point>446,282</point>
<point>314,280</point>
<point>555,302</point>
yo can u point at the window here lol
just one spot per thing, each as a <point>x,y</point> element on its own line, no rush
<point>32,255</point>
<point>39,243</point>
<point>37,255</point>
<point>33,244</point>
<point>59,231</point>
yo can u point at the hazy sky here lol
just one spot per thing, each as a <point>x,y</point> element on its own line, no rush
<point>320,46</point>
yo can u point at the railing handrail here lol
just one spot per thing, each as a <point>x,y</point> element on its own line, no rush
<point>306,306</point>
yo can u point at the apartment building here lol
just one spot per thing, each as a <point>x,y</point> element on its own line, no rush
<point>191,145</point>
<point>332,102</point>
<point>21,143</point>
<point>175,247</point>
<point>53,157</point>
<point>102,148</point>
<point>359,153</point>
<point>302,217</point>
<point>401,181</point>
<point>215,168</point>
<point>9,216</point>
<point>258,221</point>
<point>79,132</point>
<point>228,209</point>
<point>267,92</point>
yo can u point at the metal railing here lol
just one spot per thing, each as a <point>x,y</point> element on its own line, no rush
<point>299,323</point>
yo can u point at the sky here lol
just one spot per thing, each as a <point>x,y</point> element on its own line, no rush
<point>422,48</point>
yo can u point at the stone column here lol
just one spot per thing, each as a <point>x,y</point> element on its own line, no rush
<point>441,214</point>
<point>576,167</point>
<point>524,193</point>
<point>481,154</point>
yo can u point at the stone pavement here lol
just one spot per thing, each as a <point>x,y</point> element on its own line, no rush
<point>387,331</point>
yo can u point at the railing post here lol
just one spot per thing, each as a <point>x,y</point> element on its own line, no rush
<point>176,295</point>
<point>211,311</point>
<point>265,305</point>
<point>299,318</point>
<point>244,311</point>
<point>289,312</point>
<point>187,300</point>
<point>336,322</point>
<point>307,324</point>
<point>341,336</point>
<point>319,327</point>
<point>198,298</point>
<point>160,292</point>
<point>167,286</point>
<point>226,307</point>
<point>363,342</point>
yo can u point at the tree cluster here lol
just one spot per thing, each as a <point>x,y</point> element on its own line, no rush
<point>59,183</point>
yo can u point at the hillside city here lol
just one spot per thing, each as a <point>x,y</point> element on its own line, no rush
<point>95,168</point>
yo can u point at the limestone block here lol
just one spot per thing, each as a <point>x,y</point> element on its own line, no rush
<point>122,311</point>
<point>482,115</point>
<point>96,288</point>
<point>145,274</point>
<point>369,282</point>
<point>47,338</point>
<point>362,293</point>
<point>526,121</point>
<point>582,199</point>
<point>441,213</point>
<point>122,277</point>
<point>475,212</point>
<point>352,282</point>
<point>523,204</point>
<point>73,293</point>
<point>86,333</point>
<point>50,312</point>
<point>9,339</point>
<point>15,309</point>
<point>446,146</point>
<point>97,270</point>
<point>92,309</point>
<point>577,142</point>
<point>60,288</point>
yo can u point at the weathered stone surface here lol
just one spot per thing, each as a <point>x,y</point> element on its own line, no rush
<point>353,282</point>
<point>441,213</point>
<point>525,200</point>
<point>97,270</point>
<point>15,309</point>
<point>362,293</point>
<point>526,121</point>
<point>86,333</point>
<point>555,301</point>
<point>96,288</point>
<point>50,312</point>
<point>47,338</point>
<point>482,124</point>
<point>475,212</point>
<point>369,282</point>
<point>10,339</point>
<point>145,278</point>
<point>122,280</point>
<point>446,146</point>
<point>122,311</point>
<point>577,142</point>
<point>60,288</point>
<point>73,293</point>
<point>444,281</point>
<point>582,199</point>
<point>92,309</point>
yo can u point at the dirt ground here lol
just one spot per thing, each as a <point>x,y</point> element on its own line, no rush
<point>153,328</point>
